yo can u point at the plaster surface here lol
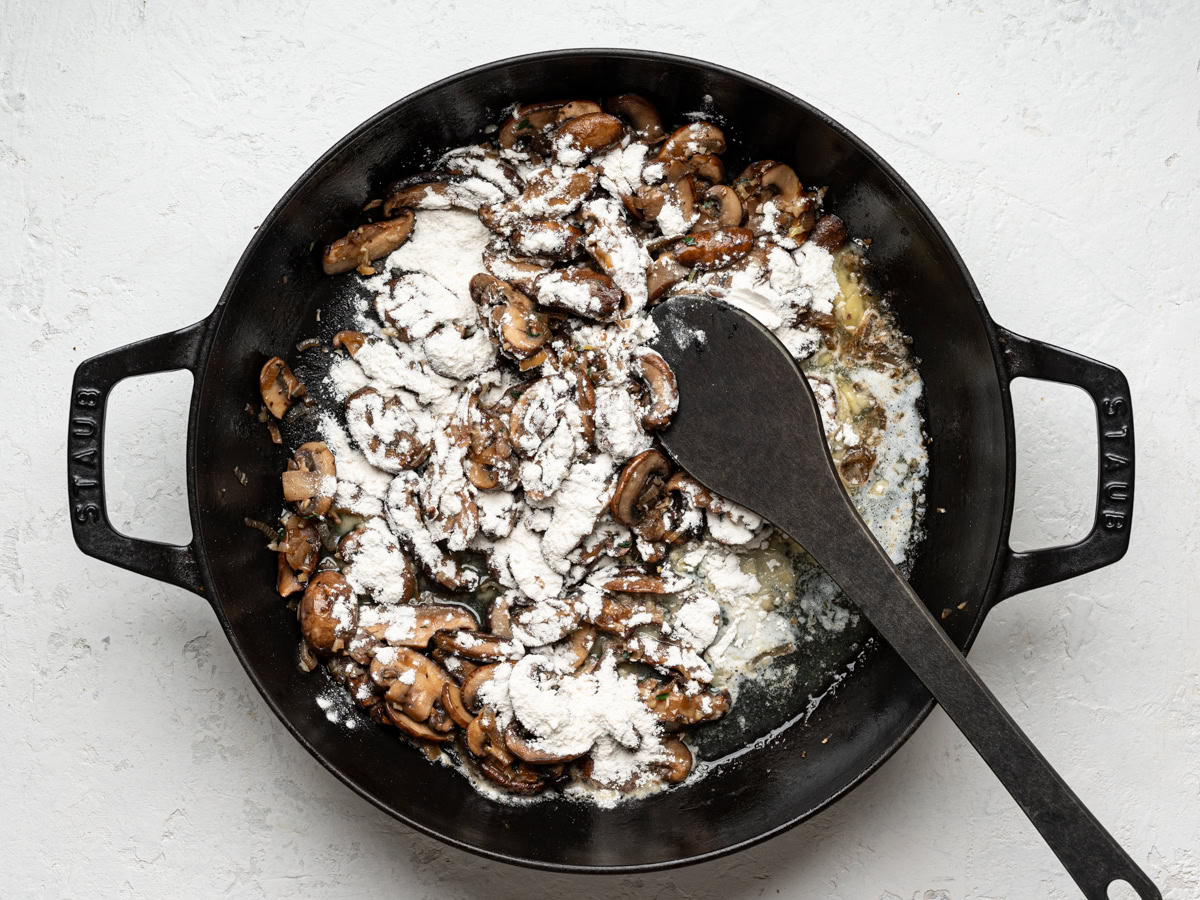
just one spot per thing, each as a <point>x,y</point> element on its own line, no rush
<point>140,143</point>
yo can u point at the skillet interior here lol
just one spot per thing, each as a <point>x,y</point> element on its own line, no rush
<point>768,788</point>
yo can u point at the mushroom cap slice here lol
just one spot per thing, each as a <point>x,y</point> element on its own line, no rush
<point>409,726</point>
<point>352,341</point>
<point>675,708</point>
<point>641,115</point>
<point>575,109</point>
<point>279,386</point>
<point>641,485</point>
<point>828,232</point>
<point>654,371</point>
<point>453,704</point>
<point>473,682</point>
<point>477,647</point>
<point>728,206</point>
<point>698,137</point>
<point>311,485</point>
<point>550,238</point>
<point>663,274</point>
<point>582,136</point>
<point>526,121</point>
<point>302,545</point>
<point>367,243</point>
<point>520,746</point>
<point>677,762</point>
<point>707,250</point>
<point>621,617</point>
<point>328,614</point>
<point>286,581</point>
<point>582,291</point>
<point>520,271</point>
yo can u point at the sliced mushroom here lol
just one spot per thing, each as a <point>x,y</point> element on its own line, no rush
<point>412,680</point>
<point>662,391</point>
<point>549,238</point>
<point>621,617</point>
<point>668,656</point>
<point>549,194</point>
<point>453,704</point>
<point>545,623</point>
<point>677,761</point>
<point>301,545</point>
<point>641,115</point>
<point>474,681</point>
<point>500,615</point>
<point>477,647</point>
<point>409,726</point>
<point>520,745</point>
<point>352,341</point>
<point>698,137</point>
<point>580,137</point>
<point>520,328</point>
<point>313,481</point>
<point>404,515</point>
<point>425,190</point>
<point>675,708</point>
<point>390,576</point>
<point>367,243</point>
<point>580,643</point>
<point>278,386</point>
<point>430,618</point>
<point>520,271</point>
<point>486,739</point>
<point>575,109</point>
<point>720,208</point>
<point>527,121</point>
<point>582,291</point>
<point>328,614</point>
<point>663,274</point>
<point>490,462</point>
<point>828,232</point>
<point>637,582</point>
<point>286,581</point>
<point>384,430</point>
<point>640,488</point>
<point>707,250</point>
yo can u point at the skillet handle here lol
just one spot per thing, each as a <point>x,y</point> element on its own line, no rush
<point>1109,537</point>
<point>94,380</point>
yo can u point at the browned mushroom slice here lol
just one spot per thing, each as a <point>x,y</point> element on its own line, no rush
<point>474,681</point>
<point>352,341</point>
<point>278,386</point>
<point>621,617</point>
<point>426,190</point>
<point>500,615</point>
<point>641,115</point>
<point>313,481</point>
<point>585,399</point>
<point>668,656</point>
<point>707,250</point>
<point>663,274</point>
<point>415,626</point>
<point>707,166</point>
<point>301,545</point>
<point>521,745</point>
<point>521,272</point>
<point>477,647</point>
<point>580,643</point>
<point>409,726</point>
<point>575,109</point>
<point>675,708</point>
<point>413,681</point>
<point>549,194</point>
<point>367,243</point>
<point>452,701</point>
<point>286,581</point>
<point>546,237</point>
<point>527,121</point>
<point>641,493</point>
<point>388,575</point>
<point>698,137</point>
<point>582,291</point>
<point>676,763</point>
<point>485,738</point>
<point>662,391</point>
<point>364,691</point>
<point>637,582</point>
<point>828,232</point>
<point>328,614</point>
<point>544,623</point>
<point>720,208</point>
<point>404,514</point>
<point>522,330</point>
<point>578,138</point>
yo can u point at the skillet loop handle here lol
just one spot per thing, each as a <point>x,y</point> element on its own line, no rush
<point>1109,537</point>
<point>94,533</point>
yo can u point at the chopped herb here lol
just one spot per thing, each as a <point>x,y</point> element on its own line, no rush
<point>523,124</point>
<point>692,275</point>
<point>689,241</point>
<point>514,393</point>
<point>662,696</point>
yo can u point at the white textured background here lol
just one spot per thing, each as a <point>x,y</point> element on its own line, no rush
<point>140,143</point>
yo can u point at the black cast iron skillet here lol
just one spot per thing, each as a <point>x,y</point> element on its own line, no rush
<point>271,301</point>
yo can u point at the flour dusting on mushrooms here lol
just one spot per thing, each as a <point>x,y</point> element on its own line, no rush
<point>493,441</point>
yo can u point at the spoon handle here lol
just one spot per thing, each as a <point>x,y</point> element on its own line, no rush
<point>1088,852</point>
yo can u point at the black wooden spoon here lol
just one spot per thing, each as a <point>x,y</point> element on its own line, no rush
<point>748,427</point>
